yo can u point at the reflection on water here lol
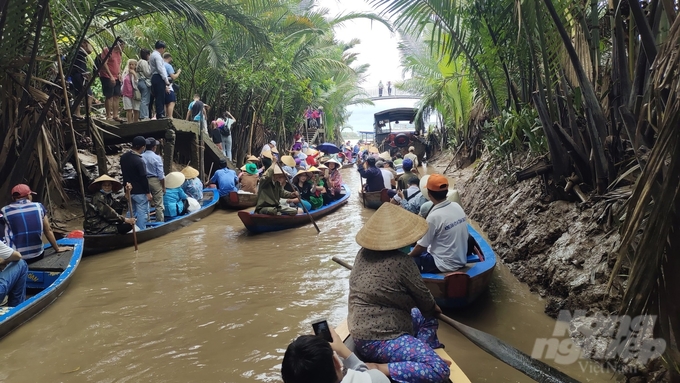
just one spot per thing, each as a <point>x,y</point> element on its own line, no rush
<point>213,303</point>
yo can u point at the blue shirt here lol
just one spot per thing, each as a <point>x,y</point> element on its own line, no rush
<point>24,227</point>
<point>172,201</point>
<point>193,188</point>
<point>169,69</point>
<point>154,164</point>
<point>226,181</point>
<point>374,178</point>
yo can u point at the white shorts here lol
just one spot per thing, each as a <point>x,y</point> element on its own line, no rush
<point>129,103</point>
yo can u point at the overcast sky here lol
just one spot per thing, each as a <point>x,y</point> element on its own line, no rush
<point>378,45</point>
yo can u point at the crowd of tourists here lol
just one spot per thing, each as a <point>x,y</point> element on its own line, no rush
<point>392,316</point>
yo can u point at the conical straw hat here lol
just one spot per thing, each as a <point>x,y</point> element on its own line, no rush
<point>267,154</point>
<point>174,180</point>
<point>385,156</point>
<point>252,158</point>
<point>96,185</point>
<point>380,233</point>
<point>373,149</point>
<point>274,150</point>
<point>189,172</point>
<point>288,161</point>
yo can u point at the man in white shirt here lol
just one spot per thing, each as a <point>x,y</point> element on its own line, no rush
<point>160,83</point>
<point>388,177</point>
<point>444,247</point>
<point>411,155</point>
<point>268,147</point>
<point>13,273</point>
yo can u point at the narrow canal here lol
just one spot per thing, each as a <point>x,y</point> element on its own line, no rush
<point>211,303</point>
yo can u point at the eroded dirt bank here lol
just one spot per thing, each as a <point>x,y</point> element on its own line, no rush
<point>563,250</point>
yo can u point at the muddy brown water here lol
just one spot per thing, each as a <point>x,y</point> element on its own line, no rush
<point>211,303</point>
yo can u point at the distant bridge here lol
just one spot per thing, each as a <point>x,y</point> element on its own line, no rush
<point>395,94</point>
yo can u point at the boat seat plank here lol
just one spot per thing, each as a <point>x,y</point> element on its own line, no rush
<point>52,261</point>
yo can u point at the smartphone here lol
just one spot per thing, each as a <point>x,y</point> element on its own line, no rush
<point>321,329</point>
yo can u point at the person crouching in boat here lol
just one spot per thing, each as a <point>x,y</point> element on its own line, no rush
<point>192,186</point>
<point>249,178</point>
<point>306,188</point>
<point>176,201</point>
<point>271,191</point>
<point>334,180</point>
<point>444,247</point>
<point>392,314</point>
<point>310,358</point>
<point>104,213</point>
<point>412,198</point>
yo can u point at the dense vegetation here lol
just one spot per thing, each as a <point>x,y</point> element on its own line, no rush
<point>592,84</point>
<point>264,61</point>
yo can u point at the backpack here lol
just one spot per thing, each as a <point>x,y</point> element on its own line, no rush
<point>196,109</point>
<point>224,129</point>
<point>98,61</point>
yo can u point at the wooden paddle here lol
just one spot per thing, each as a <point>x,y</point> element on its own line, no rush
<point>361,179</point>
<point>299,196</point>
<point>533,368</point>
<point>134,225</point>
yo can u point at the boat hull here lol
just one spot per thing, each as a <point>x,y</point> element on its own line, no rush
<point>237,201</point>
<point>373,200</point>
<point>347,166</point>
<point>100,243</point>
<point>263,223</point>
<point>51,282</point>
<point>460,288</point>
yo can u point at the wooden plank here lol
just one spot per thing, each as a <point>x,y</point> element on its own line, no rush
<point>457,375</point>
<point>343,330</point>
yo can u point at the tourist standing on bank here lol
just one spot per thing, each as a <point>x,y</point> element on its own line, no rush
<point>197,112</point>
<point>215,134</point>
<point>144,83</point>
<point>130,91</point>
<point>170,97</point>
<point>79,74</point>
<point>155,175</point>
<point>160,83</point>
<point>380,88</point>
<point>225,131</point>
<point>389,88</point>
<point>109,75</point>
<point>134,173</point>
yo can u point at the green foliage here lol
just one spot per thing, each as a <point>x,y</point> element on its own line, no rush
<point>515,131</point>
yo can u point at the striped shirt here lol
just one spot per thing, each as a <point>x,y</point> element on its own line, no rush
<point>24,227</point>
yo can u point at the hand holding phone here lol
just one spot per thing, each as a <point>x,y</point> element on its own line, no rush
<point>321,329</point>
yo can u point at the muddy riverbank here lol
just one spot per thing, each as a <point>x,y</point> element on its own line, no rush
<point>564,251</point>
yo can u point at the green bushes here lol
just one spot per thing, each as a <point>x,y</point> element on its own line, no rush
<point>515,131</point>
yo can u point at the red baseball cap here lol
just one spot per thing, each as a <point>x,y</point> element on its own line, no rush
<point>437,182</point>
<point>21,190</point>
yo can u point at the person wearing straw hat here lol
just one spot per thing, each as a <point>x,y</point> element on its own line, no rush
<point>104,213</point>
<point>302,181</point>
<point>320,192</point>
<point>444,247</point>
<point>271,191</point>
<point>289,165</point>
<point>334,179</point>
<point>225,179</point>
<point>391,313</point>
<point>192,186</point>
<point>249,178</point>
<point>175,201</point>
<point>267,159</point>
<point>268,147</point>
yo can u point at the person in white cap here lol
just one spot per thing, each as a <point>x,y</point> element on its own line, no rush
<point>268,147</point>
<point>411,155</point>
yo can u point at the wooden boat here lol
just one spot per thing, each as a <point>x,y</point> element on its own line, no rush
<point>263,223</point>
<point>47,279</point>
<point>373,200</point>
<point>100,243</point>
<point>348,165</point>
<point>462,287</point>
<point>456,374</point>
<point>236,200</point>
